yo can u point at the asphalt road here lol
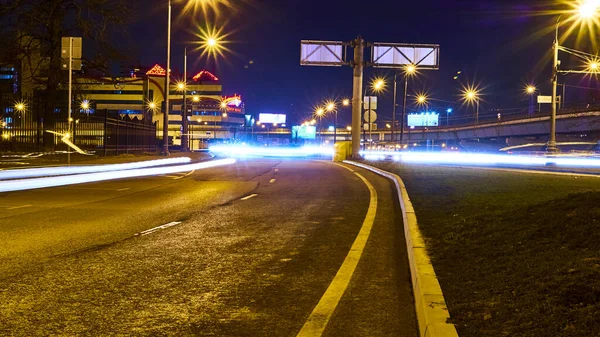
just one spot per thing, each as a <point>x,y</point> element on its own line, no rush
<point>250,250</point>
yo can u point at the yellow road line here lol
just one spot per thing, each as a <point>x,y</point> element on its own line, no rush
<point>321,314</point>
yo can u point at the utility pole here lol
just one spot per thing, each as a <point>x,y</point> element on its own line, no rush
<point>184,120</point>
<point>358,64</point>
<point>167,84</point>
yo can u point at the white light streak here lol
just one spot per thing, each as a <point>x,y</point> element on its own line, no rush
<point>478,159</point>
<point>246,150</point>
<point>66,170</point>
<point>28,184</point>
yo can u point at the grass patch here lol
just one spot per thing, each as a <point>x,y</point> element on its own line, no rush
<point>516,254</point>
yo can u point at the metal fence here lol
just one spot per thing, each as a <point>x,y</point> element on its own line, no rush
<point>27,128</point>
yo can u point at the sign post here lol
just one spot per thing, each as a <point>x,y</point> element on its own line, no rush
<point>384,55</point>
<point>70,52</point>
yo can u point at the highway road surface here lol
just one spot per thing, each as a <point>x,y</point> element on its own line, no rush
<point>258,248</point>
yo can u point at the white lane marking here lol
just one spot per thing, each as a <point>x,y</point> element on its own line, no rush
<point>272,180</point>
<point>249,197</point>
<point>321,314</point>
<point>123,189</point>
<point>185,174</point>
<point>276,170</point>
<point>17,207</point>
<point>152,230</point>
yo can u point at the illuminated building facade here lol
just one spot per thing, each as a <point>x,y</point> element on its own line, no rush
<point>210,114</point>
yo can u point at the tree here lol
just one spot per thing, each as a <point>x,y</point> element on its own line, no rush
<point>31,32</point>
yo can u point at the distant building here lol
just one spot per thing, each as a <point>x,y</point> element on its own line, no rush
<point>210,114</point>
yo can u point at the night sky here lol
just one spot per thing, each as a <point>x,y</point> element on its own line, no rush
<point>499,45</point>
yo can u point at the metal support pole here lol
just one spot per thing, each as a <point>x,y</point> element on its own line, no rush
<point>393,138</point>
<point>167,84</point>
<point>70,97</point>
<point>477,113</point>
<point>335,128</point>
<point>359,46</point>
<point>184,120</point>
<point>369,115</point>
<point>552,142</point>
<point>562,98</point>
<point>403,107</point>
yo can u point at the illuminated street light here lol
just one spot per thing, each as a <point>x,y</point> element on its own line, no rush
<point>586,12</point>
<point>530,89</point>
<point>180,85</point>
<point>378,85</point>
<point>421,99</point>
<point>346,102</point>
<point>588,9</point>
<point>20,107</point>
<point>196,98</point>
<point>471,96</point>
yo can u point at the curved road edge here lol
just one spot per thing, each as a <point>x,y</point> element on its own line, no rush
<point>430,305</point>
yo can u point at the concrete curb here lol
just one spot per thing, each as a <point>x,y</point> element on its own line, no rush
<point>432,312</point>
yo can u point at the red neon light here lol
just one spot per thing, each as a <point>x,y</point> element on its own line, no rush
<point>157,71</point>
<point>205,74</point>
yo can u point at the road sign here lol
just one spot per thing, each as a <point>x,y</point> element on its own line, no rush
<point>373,126</point>
<point>64,48</point>
<point>322,53</point>
<point>370,103</point>
<point>546,99</point>
<point>398,55</point>
<point>370,116</point>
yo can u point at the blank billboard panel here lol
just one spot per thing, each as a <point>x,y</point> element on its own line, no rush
<point>424,119</point>
<point>322,53</point>
<point>272,118</point>
<point>398,55</point>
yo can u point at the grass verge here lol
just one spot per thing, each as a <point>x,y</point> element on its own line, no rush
<point>516,254</point>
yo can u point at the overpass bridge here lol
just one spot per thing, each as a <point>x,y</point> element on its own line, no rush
<point>571,125</point>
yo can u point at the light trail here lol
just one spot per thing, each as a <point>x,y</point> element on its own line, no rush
<point>479,159</point>
<point>66,170</point>
<point>34,183</point>
<point>247,151</point>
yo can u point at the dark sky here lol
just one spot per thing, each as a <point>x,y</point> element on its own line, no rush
<point>500,45</point>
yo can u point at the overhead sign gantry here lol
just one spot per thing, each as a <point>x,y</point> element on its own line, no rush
<point>383,55</point>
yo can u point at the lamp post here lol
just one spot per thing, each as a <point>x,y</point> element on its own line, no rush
<point>165,132</point>
<point>330,107</point>
<point>377,85</point>
<point>409,70</point>
<point>587,10</point>
<point>319,114</point>
<point>471,95</point>
<point>530,91</point>
<point>184,120</point>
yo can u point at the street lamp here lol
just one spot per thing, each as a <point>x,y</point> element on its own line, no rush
<point>190,4</point>
<point>331,107</point>
<point>377,86</point>
<point>409,70</point>
<point>587,10</point>
<point>471,95</point>
<point>530,91</point>
<point>448,112</point>
<point>319,113</point>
